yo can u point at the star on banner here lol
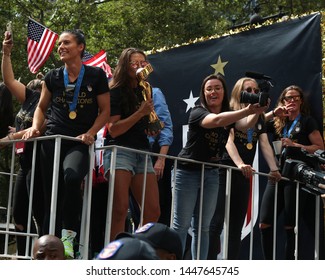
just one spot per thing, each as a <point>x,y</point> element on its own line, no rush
<point>219,66</point>
<point>190,101</point>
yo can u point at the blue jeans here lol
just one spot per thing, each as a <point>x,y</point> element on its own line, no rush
<point>187,206</point>
<point>127,160</point>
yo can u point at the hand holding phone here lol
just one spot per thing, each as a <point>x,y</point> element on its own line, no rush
<point>9,29</point>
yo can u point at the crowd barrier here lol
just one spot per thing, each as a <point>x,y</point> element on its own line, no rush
<point>7,229</point>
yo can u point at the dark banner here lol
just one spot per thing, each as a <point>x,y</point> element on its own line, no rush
<point>289,52</point>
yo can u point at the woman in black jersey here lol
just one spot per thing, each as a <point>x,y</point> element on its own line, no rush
<point>295,129</point>
<point>80,106</point>
<point>206,141</point>
<point>128,127</point>
<point>241,147</point>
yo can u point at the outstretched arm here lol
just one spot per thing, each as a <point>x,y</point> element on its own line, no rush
<point>16,88</point>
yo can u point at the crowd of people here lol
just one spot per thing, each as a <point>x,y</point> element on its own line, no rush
<point>79,102</point>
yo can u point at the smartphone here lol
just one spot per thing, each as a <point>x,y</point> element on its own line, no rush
<point>9,28</point>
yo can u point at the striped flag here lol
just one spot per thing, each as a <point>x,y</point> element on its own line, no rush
<point>98,60</point>
<point>41,41</point>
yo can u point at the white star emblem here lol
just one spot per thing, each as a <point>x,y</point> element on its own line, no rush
<point>190,101</point>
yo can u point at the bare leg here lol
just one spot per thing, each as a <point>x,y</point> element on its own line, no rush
<point>120,202</point>
<point>151,206</point>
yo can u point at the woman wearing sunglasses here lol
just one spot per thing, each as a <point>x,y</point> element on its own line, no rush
<point>296,129</point>
<point>128,127</point>
<point>241,148</point>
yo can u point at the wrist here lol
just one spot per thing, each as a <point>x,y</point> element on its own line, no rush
<point>6,53</point>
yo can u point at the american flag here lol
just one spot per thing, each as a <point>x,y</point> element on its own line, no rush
<point>41,41</point>
<point>98,60</point>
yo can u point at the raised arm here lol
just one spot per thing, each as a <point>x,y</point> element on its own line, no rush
<point>16,88</point>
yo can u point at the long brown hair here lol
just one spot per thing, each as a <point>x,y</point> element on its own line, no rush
<point>121,77</point>
<point>279,123</point>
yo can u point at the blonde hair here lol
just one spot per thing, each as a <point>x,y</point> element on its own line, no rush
<point>236,91</point>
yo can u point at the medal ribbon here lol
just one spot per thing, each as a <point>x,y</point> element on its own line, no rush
<point>73,104</point>
<point>286,133</point>
<point>250,135</point>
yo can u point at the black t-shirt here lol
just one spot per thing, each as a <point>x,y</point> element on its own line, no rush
<point>203,144</point>
<point>24,118</point>
<point>94,83</point>
<point>241,140</point>
<point>300,132</point>
<point>124,104</point>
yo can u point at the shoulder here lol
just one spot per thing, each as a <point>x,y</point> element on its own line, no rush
<point>54,73</point>
<point>94,71</point>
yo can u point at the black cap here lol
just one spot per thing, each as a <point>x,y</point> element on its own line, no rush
<point>159,236</point>
<point>128,249</point>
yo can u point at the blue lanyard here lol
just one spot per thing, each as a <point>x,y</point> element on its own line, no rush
<point>73,104</point>
<point>250,135</point>
<point>286,133</point>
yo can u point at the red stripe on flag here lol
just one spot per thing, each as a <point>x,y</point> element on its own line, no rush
<point>41,41</point>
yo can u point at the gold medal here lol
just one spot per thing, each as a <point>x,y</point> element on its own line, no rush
<point>249,146</point>
<point>72,115</point>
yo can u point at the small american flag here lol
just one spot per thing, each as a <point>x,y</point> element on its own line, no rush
<point>41,41</point>
<point>98,60</point>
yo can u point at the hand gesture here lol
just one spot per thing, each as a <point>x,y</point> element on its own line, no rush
<point>7,43</point>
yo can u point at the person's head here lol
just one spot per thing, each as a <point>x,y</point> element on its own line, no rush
<point>36,84</point>
<point>72,43</point>
<point>128,248</point>
<point>243,84</point>
<point>214,94</point>
<point>131,59</point>
<point>165,240</point>
<point>48,247</point>
<point>292,97</point>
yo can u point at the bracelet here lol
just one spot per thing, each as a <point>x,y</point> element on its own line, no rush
<point>9,136</point>
<point>276,170</point>
<point>274,115</point>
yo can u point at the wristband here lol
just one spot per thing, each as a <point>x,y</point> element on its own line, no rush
<point>276,170</point>
<point>274,115</point>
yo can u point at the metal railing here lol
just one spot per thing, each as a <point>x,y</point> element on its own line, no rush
<point>7,228</point>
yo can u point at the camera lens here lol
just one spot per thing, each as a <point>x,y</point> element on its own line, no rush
<point>251,98</point>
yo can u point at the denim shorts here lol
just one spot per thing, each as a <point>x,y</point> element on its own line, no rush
<point>128,160</point>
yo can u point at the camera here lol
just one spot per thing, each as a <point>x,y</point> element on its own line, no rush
<point>260,97</point>
<point>252,98</point>
<point>305,168</point>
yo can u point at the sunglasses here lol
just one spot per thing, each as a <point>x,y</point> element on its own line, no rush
<point>138,64</point>
<point>251,90</point>
<point>292,98</point>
